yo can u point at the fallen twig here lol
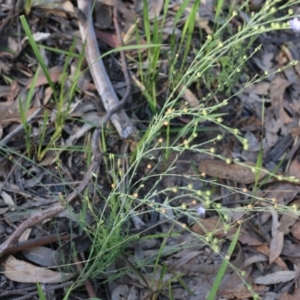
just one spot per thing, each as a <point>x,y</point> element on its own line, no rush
<point>19,128</point>
<point>89,288</point>
<point>12,241</point>
<point>44,240</point>
<point>102,82</point>
<point>125,72</point>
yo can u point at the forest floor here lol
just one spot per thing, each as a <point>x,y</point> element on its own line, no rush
<point>149,149</point>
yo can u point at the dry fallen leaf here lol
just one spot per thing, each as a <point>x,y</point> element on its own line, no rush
<point>189,96</point>
<point>287,221</point>
<point>25,235</point>
<point>276,243</point>
<point>54,73</point>
<point>282,193</point>
<point>8,200</point>
<point>43,256</point>
<point>57,7</point>
<point>292,250</point>
<point>205,14</point>
<point>216,226</point>
<point>254,259</point>
<point>264,249</point>
<point>234,281</point>
<point>276,246</point>
<point>260,88</point>
<point>9,92</point>
<point>264,60</point>
<point>199,285</point>
<point>247,238</point>
<point>294,169</point>
<point>11,114</point>
<point>21,271</point>
<point>287,296</point>
<point>154,8</point>
<point>109,38</point>
<point>242,292</point>
<point>276,277</point>
<point>277,90</point>
<point>103,15</point>
<point>272,126</point>
<point>295,230</point>
<point>238,173</point>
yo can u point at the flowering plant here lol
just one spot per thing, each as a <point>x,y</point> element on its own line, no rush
<point>295,24</point>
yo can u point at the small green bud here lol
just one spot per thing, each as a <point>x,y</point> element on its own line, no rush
<point>215,241</point>
<point>210,235</point>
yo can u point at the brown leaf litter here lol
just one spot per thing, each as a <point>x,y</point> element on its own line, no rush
<point>268,247</point>
<point>245,173</point>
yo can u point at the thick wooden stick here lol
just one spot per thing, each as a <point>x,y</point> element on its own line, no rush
<point>102,82</point>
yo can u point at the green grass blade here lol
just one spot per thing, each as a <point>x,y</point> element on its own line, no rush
<point>219,7</point>
<point>43,129</point>
<point>223,267</point>
<point>37,53</point>
<point>187,33</point>
<point>24,107</point>
<point>40,292</point>
<point>146,21</point>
